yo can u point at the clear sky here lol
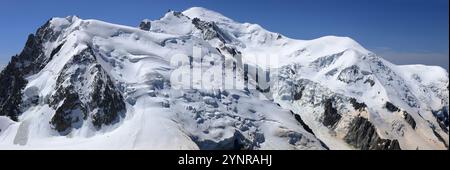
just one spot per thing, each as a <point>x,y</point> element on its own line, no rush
<point>402,31</point>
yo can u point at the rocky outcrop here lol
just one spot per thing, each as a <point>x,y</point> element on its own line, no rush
<point>304,125</point>
<point>30,61</point>
<point>361,132</point>
<point>210,30</point>
<point>330,115</point>
<point>408,118</point>
<point>391,107</point>
<point>354,74</point>
<point>442,118</point>
<point>350,74</point>
<point>356,105</point>
<point>85,92</point>
<point>70,114</point>
<point>145,25</point>
<point>11,93</point>
<point>298,95</point>
<point>363,135</point>
<point>103,103</point>
<point>235,142</point>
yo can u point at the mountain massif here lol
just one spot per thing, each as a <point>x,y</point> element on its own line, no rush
<point>88,84</point>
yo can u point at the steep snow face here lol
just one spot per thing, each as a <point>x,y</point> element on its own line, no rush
<point>96,85</point>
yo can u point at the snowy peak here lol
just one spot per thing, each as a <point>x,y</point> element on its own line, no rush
<point>206,15</point>
<point>333,45</point>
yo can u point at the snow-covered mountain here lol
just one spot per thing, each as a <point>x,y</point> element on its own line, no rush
<point>88,84</point>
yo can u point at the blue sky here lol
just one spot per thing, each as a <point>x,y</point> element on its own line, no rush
<point>402,31</point>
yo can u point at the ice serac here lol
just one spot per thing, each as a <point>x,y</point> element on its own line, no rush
<point>88,84</point>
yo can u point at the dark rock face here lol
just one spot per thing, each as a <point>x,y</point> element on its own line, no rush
<point>408,118</point>
<point>442,118</point>
<point>230,50</point>
<point>304,125</point>
<point>235,142</point>
<point>178,14</point>
<point>11,92</point>
<point>145,25</point>
<point>56,50</point>
<point>356,105</point>
<point>298,95</point>
<point>330,116</point>
<point>106,103</point>
<point>210,30</point>
<point>350,74</point>
<point>391,107</point>
<point>30,61</point>
<point>440,138</point>
<point>70,114</point>
<point>85,90</point>
<point>370,81</point>
<point>307,128</point>
<point>362,134</point>
<point>354,74</point>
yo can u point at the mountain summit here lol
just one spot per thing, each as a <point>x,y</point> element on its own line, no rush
<point>199,80</point>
